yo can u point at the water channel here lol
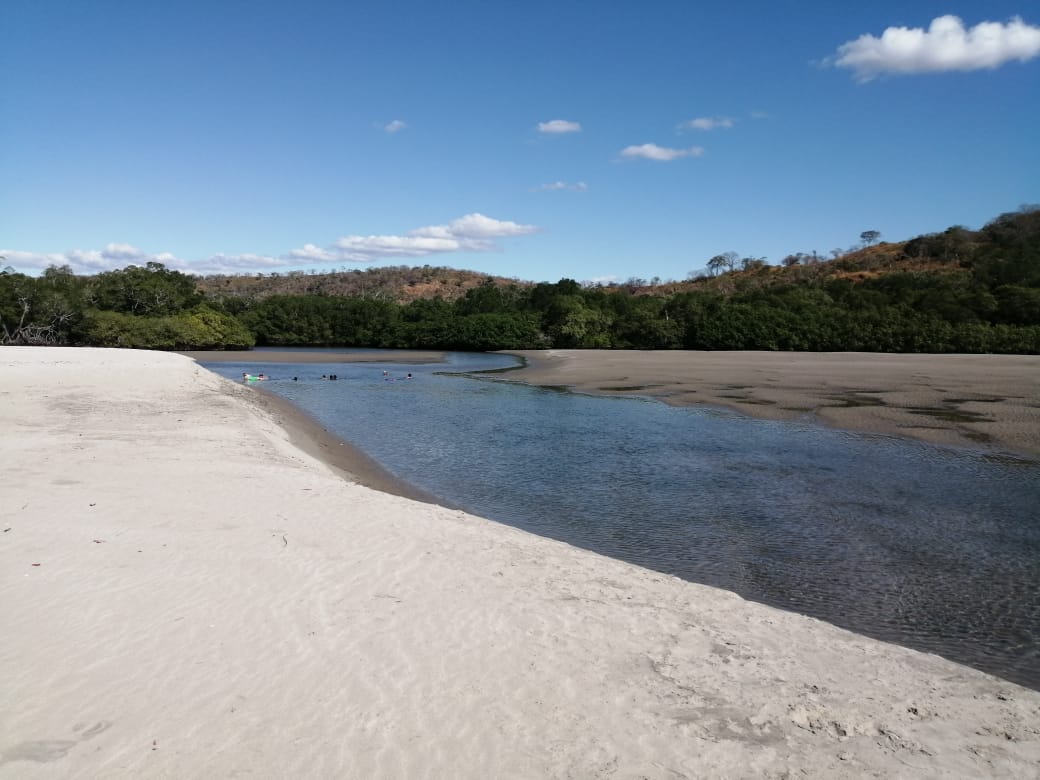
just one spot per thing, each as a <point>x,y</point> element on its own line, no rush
<point>930,547</point>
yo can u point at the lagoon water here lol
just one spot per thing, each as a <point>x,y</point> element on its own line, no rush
<point>933,548</point>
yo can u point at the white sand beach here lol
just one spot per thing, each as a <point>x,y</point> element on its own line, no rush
<point>187,593</point>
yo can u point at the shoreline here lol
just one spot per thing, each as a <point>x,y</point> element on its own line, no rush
<point>306,432</point>
<point>981,402</point>
<point>803,387</point>
<point>349,461</point>
<point>188,592</point>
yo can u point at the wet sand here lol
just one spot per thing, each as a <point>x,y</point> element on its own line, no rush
<point>987,402</point>
<point>188,593</point>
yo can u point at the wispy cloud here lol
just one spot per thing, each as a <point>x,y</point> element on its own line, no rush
<point>395,126</point>
<point>578,186</point>
<point>470,233</point>
<point>945,46</point>
<point>558,126</point>
<point>707,123</point>
<point>236,264</point>
<point>87,261</point>
<point>659,153</point>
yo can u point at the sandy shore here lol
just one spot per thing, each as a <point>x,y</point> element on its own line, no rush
<point>186,593</point>
<point>981,401</point>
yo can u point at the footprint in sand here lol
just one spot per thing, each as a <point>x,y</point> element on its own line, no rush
<point>43,751</point>
<point>40,750</point>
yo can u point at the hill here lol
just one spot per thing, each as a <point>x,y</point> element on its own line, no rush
<point>947,254</point>
<point>399,284</point>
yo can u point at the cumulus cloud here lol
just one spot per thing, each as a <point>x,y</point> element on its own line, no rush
<point>312,253</point>
<point>470,233</point>
<point>557,126</point>
<point>395,126</point>
<point>659,153</point>
<point>30,261</point>
<point>945,46</point>
<point>555,186</point>
<point>707,123</point>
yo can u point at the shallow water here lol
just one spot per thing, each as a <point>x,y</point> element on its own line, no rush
<point>933,548</point>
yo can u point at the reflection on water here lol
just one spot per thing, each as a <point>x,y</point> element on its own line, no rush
<point>934,548</point>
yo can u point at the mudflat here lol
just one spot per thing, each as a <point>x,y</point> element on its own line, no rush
<point>980,401</point>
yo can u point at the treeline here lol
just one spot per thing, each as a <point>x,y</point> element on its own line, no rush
<point>982,295</point>
<point>146,308</point>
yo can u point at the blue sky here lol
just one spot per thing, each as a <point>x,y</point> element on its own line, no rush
<point>536,140</point>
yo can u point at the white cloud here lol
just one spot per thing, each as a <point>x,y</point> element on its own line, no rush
<point>557,126</point>
<point>88,261</point>
<point>362,249</point>
<point>26,261</point>
<point>479,225</point>
<point>707,123</point>
<point>313,253</point>
<point>578,186</point>
<point>126,252</point>
<point>470,233</point>
<point>237,264</point>
<point>396,126</point>
<point>660,153</point>
<point>946,45</point>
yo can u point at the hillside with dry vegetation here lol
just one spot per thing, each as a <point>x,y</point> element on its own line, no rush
<point>938,254</point>
<point>399,284</point>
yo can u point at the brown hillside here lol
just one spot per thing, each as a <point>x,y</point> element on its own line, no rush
<point>401,284</point>
<point>856,266</point>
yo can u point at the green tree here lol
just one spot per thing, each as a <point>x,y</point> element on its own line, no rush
<point>153,290</point>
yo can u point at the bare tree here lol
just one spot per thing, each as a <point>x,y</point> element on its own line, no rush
<point>724,262</point>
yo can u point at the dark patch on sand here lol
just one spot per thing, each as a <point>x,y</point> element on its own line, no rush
<point>856,399</point>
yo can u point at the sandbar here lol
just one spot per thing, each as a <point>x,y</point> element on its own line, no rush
<point>188,593</point>
<point>989,402</point>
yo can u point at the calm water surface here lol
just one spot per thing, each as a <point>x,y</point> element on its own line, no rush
<point>934,548</point>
